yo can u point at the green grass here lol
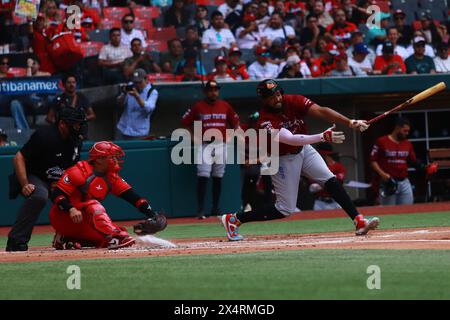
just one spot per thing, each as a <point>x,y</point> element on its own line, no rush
<point>307,274</point>
<point>177,231</point>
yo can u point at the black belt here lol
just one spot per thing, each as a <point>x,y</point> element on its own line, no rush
<point>399,179</point>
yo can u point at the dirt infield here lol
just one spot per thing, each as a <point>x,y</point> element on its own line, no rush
<point>420,238</point>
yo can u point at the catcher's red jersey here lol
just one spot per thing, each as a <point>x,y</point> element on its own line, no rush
<point>81,184</point>
<point>295,108</point>
<point>393,156</point>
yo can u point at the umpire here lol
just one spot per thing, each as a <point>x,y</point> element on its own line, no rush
<point>41,161</point>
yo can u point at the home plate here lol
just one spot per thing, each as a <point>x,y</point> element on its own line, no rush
<point>152,240</point>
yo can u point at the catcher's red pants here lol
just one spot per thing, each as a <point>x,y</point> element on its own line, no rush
<point>96,227</point>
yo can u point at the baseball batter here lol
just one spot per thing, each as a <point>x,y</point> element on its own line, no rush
<point>77,214</point>
<point>297,157</point>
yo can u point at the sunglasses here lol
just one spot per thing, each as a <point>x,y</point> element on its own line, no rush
<point>128,21</point>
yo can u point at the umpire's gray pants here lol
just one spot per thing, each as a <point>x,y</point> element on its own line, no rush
<point>403,195</point>
<point>29,211</point>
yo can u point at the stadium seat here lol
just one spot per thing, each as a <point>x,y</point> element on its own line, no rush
<point>99,35</point>
<point>16,72</point>
<point>161,77</point>
<point>438,8</point>
<point>211,9</point>
<point>110,23</point>
<point>248,56</point>
<point>147,12</point>
<point>19,136</point>
<point>143,24</point>
<point>155,55</point>
<point>115,13</point>
<point>181,32</point>
<point>208,56</point>
<point>6,123</point>
<point>384,5</point>
<point>156,45</point>
<point>162,34</point>
<point>91,48</point>
<point>210,2</point>
<point>409,7</point>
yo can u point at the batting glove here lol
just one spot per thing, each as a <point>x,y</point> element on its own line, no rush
<point>362,125</point>
<point>333,136</point>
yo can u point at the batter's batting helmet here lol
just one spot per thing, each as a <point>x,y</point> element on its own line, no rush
<point>110,150</point>
<point>267,88</point>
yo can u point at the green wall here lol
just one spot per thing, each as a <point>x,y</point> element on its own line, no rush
<point>150,171</point>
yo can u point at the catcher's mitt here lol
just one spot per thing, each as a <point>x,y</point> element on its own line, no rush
<point>151,225</point>
<point>389,188</point>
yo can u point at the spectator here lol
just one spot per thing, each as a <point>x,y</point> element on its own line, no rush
<point>263,13</point>
<point>291,69</point>
<point>53,19</point>
<point>277,51</point>
<point>139,60</point>
<point>292,13</point>
<point>10,106</point>
<point>221,72</point>
<point>236,68</point>
<point>277,29</point>
<point>429,51</point>
<point>201,19</point>
<point>389,63</point>
<point>232,13</point>
<point>359,13</point>
<point>304,69</point>
<point>360,59</point>
<point>112,56</point>
<point>191,56</point>
<point>342,69</point>
<point>3,138</point>
<point>310,34</point>
<point>405,31</point>
<point>430,32</point>
<point>128,32</point>
<point>39,43</point>
<point>218,36</point>
<point>248,35</point>
<point>34,68</point>
<point>170,60</point>
<point>341,29</point>
<point>358,37</point>
<point>324,17</point>
<point>419,63</point>
<point>377,35</point>
<point>177,15</point>
<point>312,63</point>
<point>393,36</point>
<point>139,102</point>
<point>261,68</point>
<point>7,26</point>
<point>189,73</point>
<point>192,40</point>
<point>442,62</point>
<point>327,60</point>
<point>70,98</point>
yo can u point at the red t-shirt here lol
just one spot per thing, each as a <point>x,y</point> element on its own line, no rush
<point>40,43</point>
<point>342,33</point>
<point>295,108</point>
<point>381,63</point>
<point>74,179</point>
<point>212,116</point>
<point>393,157</point>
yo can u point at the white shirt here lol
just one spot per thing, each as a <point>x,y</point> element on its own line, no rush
<point>272,34</point>
<point>257,71</point>
<point>442,66</point>
<point>125,38</point>
<point>249,41</point>
<point>428,51</point>
<point>114,54</point>
<point>218,39</point>
<point>364,65</point>
<point>225,9</point>
<point>401,51</point>
<point>304,69</point>
<point>371,56</point>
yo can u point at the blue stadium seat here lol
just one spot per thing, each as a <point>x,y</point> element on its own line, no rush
<point>6,123</point>
<point>155,55</point>
<point>100,35</point>
<point>410,7</point>
<point>19,136</point>
<point>208,56</point>
<point>438,8</point>
<point>248,56</point>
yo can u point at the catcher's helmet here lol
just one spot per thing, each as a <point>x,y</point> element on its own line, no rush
<point>107,149</point>
<point>267,88</point>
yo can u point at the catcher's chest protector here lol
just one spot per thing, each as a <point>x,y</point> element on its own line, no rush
<point>95,187</point>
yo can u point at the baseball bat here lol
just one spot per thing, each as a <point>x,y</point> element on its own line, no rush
<point>418,97</point>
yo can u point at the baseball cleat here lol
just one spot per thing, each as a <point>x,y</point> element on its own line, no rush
<point>117,243</point>
<point>363,225</point>
<point>231,224</point>
<point>62,243</point>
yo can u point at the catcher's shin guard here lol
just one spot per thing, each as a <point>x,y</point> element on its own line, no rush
<point>102,222</point>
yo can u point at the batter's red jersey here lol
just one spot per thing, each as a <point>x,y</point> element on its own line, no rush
<point>212,116</point>
<point>393,156</point>
<point>339,171</point>
<point>80,184</point>
<point>295,108</point>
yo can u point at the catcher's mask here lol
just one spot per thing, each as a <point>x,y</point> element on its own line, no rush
<point>109,150</point>
<point>76,120</point>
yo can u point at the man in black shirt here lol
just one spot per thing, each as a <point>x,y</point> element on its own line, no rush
<point>311,33</point>
<point>41,161</point>
<point>70,98</point>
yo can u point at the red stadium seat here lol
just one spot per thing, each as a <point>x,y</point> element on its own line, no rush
<point>16,72</point>
<point>161,77</point>
<point>147,12</point>
<point>384,5</point>
<point>156,45</point>
<point>143,24</point>
<point>91,48</point>
<point>162,34</point>
<point>115,13</point>
<point>109,24</point>
<point>210,2</point>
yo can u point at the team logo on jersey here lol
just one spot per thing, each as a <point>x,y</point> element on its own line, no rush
<point>270,85</point>
<point>294,126</point>
<point>66,179</point>
<point>99,187</point>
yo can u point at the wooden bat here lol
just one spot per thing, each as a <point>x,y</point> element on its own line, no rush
<point>418,97</point>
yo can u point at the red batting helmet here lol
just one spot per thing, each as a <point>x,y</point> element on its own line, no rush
<point>107,149</point>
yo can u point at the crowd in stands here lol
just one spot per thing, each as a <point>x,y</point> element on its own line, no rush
<point>227,40</point>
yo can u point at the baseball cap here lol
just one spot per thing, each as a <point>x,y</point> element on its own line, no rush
<point>332,49</point>
<point>399,12</point>
<point>294,59</point>
<point>261,50</point>
<point>361,48</point>
<point>234,50</point>
<point>220,59</point>
<point>139,75</point>
<point>388,47</point>
<point>211,84</point>
<point>87,20</point>
<point>278,42</point>
<point>249,17</point>
<point>418,40</point>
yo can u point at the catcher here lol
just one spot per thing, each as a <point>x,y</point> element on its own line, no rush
<point>77,215</point>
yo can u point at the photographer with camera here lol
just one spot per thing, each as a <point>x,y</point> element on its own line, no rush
<point>139,100</point>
